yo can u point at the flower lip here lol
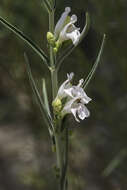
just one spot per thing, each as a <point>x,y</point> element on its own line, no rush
<point>83,112</point>
<point>78,109</point>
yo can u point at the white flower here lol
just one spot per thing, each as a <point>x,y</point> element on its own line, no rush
<point>77,108</point>
<point>61,22</point>
<point>65,28</point>
<point>76,99</point>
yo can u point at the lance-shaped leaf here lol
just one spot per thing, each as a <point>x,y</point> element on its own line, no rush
<point>70,48</point>
<point>22,36</point>
<point>90,75</point>
<point>42,107</point>
<point>54,4</point>
<point>86,28</point>
<point>49,5</point>
<point>44,91</point>
<point>115,163</point>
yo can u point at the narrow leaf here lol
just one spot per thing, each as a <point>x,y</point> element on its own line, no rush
<point>115,163</point>
<point>37,95</point>
<point>22,36</point>
<point>90,75</point>
<point>54,4</point>
<point>44,90</point>
<point>86,28</point>
<point>47,5</point>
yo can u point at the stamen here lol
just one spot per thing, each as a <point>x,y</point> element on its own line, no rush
<point>80,82</point>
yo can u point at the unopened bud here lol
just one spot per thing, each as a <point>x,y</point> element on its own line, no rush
<point>57,105</point>
<point>57,46</point>
<point>55,50</point>
<point>50,38</point>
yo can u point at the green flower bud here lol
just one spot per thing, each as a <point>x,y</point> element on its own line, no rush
<point>55,50</point>
<point>57,105</point>
<point>57,46</point>
<point>50,38</point>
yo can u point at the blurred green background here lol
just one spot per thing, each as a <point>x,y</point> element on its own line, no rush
<point>98,146</point>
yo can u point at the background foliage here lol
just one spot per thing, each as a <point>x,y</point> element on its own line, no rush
<point>98,146</point>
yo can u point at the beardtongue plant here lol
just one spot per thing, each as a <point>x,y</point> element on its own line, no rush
<point>68,98</point>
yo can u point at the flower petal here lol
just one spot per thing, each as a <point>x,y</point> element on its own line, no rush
<point>68,105</point>
<point>61,21</point>
<point>61,92</point>
<point>74,36</point>
<point>83,112</point>
<point>68,91</point>
<point>74,112</point>
<point>80,93</point>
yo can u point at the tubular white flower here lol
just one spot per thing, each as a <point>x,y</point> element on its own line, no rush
<point>65,28</point>
<point>61,22</point>
<point>70,31</point>
<point>76,98</point>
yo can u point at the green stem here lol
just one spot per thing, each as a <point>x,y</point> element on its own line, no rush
<point>66,159</point>
<point>54,82</point>
<point>60,136</point>
<point>63,181</point>
<point>59,152</point>
<point>51,29</point>
<point>61,140</point>
<point>52,58</point>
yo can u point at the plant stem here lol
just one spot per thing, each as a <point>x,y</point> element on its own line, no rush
<point>66,159</point>
<point>59,152</point>
<point>54,82</point>
<point>60,135</point>
<point>51,29</point>
<point>52,58</point>
<point>61,140</point>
